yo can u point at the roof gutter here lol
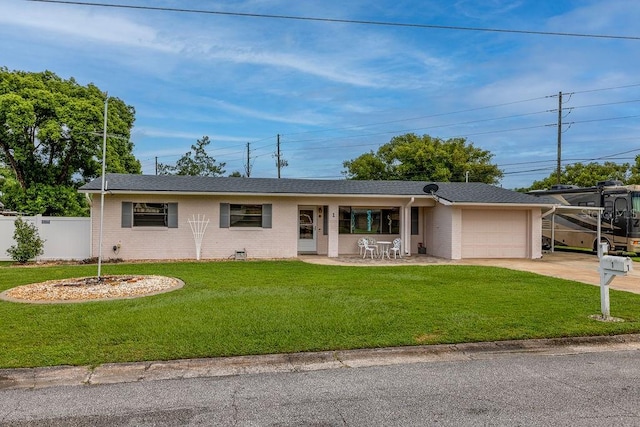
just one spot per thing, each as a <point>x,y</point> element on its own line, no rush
<point>241,194</point>
<point>509,205</point>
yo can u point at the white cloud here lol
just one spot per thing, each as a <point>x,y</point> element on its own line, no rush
<point>150,132</point>
<point>485,9</point>
<point>193,74</point>
<point>615,17</point>
<point>79,23</point>
<point>300,117</point>
<point>343,54</point>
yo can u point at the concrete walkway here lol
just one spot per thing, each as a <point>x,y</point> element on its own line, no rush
<point>564,265</point>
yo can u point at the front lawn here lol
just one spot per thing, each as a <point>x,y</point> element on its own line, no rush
<point>238,308</point>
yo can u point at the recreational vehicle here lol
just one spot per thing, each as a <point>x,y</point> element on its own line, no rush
<point>619,218</point>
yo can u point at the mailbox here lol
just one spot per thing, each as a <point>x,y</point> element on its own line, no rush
<point>618,264</point>
<point>610,267</point>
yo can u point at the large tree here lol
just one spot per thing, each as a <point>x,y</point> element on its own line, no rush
<point>424,158</point>
<point>634,172</point>
<point>51,138</point>
<point>587,175</point>
<point>196,162</point>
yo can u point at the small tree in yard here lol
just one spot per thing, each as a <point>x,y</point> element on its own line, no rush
<point>28,243</point>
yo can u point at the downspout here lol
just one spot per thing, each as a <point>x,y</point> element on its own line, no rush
<point>553,230</point>
<point>407,230</point>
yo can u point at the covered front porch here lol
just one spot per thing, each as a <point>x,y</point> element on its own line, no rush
<point>334,229</point>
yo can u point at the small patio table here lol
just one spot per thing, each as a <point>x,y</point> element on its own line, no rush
<point>384,248</point>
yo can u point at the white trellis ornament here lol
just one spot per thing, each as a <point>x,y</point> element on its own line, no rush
<point>198,227</point>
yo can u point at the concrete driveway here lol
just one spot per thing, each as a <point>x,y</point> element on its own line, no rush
<point>564,265</point>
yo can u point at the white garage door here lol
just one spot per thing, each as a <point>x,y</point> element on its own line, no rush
<point>494,234</point>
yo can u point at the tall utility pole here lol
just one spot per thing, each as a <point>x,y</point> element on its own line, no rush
<point>559,167</point>
<point>278,156</point>
<point>280,162</point>
<point>247,168</point>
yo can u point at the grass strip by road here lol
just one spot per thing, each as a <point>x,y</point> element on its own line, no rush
<point>261,307</point>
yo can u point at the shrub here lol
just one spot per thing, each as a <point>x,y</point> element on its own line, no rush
<point>28,243</point>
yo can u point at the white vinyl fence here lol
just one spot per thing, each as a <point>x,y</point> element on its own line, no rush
<point>65,237</point>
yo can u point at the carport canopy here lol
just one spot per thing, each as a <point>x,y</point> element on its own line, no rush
<point>572,209</point>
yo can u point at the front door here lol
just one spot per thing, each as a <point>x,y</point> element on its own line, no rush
<point>307,229</point>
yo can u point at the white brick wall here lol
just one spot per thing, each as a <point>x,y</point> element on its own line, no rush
<point>280,241</point>
<point>440,228</point>
<point>440,231</point>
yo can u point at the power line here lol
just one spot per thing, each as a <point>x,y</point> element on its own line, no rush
<point>457,123</point>
<point>607,88</point>
<point>567,162</point>
<point>604,157</point>
<point>419,117</point>
<point>606,119</point>
<point>362,135</point>
<point>604,104</point>
<point>399,131</point>
<point>344,21</point>
<point>369,144</point>
<point>608,156</point>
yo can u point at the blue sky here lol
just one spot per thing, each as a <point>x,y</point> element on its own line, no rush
<point>334,91</point>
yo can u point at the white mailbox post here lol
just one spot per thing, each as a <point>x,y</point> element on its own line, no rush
<point>610,267</point>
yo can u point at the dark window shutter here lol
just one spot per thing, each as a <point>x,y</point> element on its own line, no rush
<point>266,216</point>
<point>224,215</point>
<point>325,220</point>
<point>127,215</point>
<point>414,220</point>
<point>172,220</point>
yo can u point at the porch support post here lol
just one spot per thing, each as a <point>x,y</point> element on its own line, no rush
<point>405,227</point>
<point>333,242</point>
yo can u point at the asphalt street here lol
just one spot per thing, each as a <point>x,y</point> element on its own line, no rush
<point>599,385</point>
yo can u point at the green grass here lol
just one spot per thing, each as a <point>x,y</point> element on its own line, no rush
<point>238,308</point>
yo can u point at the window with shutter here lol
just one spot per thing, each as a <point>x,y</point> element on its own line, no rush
<point>172,212</point>
<point>266,216</point>
<point>245,215</point>
<point>127,215</point>
<point>143,214</point>
<point>224,215</point>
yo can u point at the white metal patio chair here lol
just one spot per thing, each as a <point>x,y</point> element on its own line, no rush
<point>361,245</point>
<point>368,248</point>
<point>372,242</point>
<point>396,248</point>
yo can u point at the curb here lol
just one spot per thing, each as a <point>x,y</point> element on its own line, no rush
<point>113,373</point>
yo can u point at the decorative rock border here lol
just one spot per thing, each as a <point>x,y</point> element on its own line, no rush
<point>91,289</point>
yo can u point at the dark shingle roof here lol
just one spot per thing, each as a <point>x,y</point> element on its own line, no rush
<point>455,192</point>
